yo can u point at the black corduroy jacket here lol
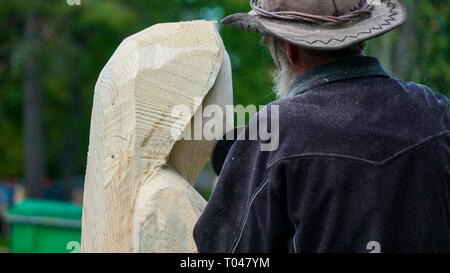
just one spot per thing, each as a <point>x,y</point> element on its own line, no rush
<point>362,165</point>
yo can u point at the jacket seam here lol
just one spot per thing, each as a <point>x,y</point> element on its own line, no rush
<point>294,243</point>
<point>363,160</point>
<point>244,223</point>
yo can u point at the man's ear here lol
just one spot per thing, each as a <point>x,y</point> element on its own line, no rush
<point>292,54</point>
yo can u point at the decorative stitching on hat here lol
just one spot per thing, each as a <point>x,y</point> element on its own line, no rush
<point>387,22</point>
<point>378,27</point>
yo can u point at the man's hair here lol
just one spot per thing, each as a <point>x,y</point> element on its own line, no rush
<point>353,50</point>
<point>284,75</point>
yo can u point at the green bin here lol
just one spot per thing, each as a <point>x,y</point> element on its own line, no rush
<point>43,226</point>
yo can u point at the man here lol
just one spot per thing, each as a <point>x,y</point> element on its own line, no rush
<point>363,162</point>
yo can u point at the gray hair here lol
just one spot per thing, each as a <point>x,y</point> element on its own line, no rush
<point>284,75</point>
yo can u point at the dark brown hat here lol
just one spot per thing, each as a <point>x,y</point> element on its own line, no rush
<point>321,24</point>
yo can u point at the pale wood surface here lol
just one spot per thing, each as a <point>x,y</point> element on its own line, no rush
<point>166,210</point>
<point>132,202</point>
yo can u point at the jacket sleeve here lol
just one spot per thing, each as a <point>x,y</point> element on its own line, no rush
<point>267,227</point>
<point>247,210</point>
<point>246,215</point>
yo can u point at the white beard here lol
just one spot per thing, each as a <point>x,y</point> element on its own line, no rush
<point>283,76</point>
<point>283,79</point>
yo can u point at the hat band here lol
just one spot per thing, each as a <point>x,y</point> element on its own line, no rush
<point>352,16</point>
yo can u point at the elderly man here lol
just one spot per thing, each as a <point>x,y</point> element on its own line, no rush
<point>363,161</point>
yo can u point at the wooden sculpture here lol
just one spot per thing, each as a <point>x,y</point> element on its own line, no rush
<point>138,190</point>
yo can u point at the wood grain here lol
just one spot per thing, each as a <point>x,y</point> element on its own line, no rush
<point>132,202</point>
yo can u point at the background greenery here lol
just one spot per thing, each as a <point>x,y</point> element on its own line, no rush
<point>55,52</point>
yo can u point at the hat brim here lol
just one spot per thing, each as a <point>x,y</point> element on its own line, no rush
<point>386,16</point>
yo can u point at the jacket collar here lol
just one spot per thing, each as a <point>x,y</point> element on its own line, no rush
<point>348,68</point>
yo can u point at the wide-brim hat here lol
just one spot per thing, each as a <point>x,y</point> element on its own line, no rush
<point>321,24</point>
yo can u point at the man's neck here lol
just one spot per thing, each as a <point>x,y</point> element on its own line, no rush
<point>309,61</point>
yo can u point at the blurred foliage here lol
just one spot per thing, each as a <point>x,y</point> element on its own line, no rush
<point>4,243</point>
<point>419,50</point>
<point>78,40</point>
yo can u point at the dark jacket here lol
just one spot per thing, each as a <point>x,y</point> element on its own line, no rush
<point>363,165</point>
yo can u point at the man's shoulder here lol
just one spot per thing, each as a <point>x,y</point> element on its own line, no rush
<point>370,93</point>
<point>368,118</point>
<point>421,101</point>
<point>419,90</point>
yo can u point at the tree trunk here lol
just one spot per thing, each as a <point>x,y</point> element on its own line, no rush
<point>34,159</point>
<point>71,141</point>
<point>402,57</point>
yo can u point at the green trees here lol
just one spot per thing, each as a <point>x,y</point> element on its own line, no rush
<point>51,54</point>
<point>419,50</point>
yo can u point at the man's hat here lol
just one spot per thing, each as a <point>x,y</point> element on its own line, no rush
<point>321,24</point>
